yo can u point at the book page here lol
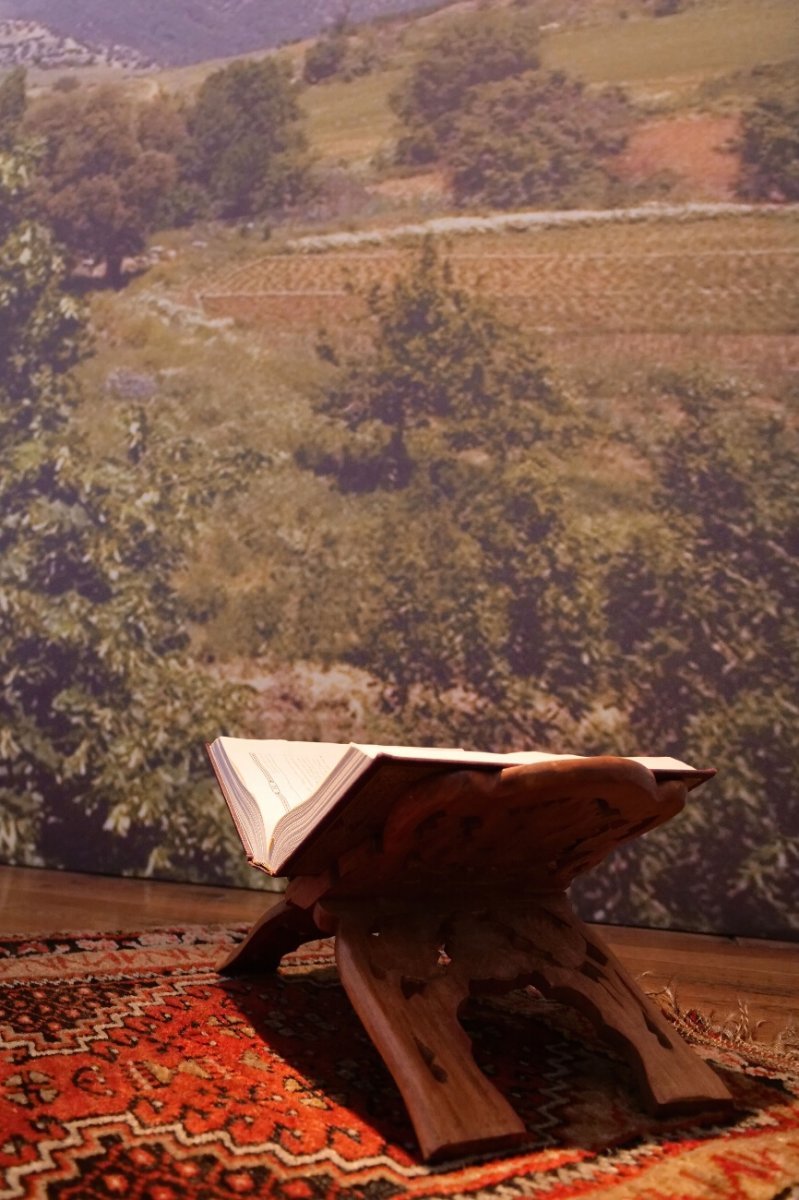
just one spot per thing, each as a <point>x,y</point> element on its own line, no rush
<point>279,791</point>
<point>457,756</point>
<point>664,764</point>
<point>281,775</point>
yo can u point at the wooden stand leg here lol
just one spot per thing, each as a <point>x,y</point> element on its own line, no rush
<point>408,967</point>
<point>407,970</point>
<point>580,970</point>
<point>410,1011</point>
<point>280,930</point>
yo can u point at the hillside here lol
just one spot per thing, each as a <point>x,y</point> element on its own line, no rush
<point>190,31</point>
<point>540,493</point>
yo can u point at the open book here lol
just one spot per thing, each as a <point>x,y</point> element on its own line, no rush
<point>283,795</point>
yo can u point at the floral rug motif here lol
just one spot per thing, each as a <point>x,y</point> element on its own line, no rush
<point>130,1069</point>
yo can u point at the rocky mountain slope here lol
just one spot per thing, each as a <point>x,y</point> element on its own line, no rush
<point>188,31</point>
<point>32,44</point>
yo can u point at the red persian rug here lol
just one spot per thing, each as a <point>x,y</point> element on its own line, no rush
<point>131,1070</point>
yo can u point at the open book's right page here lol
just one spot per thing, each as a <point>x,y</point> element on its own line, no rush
<point>458,757</point>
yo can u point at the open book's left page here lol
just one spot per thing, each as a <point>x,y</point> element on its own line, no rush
<point>269,778</point>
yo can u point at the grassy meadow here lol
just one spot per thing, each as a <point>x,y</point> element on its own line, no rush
<point>669,58</point>
<point>349,123</point>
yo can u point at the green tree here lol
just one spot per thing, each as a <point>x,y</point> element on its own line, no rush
<point>341,52</point>
<point>443,373</point>
<point>536,139</point>
<point>769,148</point>
<point>326,57</point>
<point>478,607</point>
<point>161,125</point>
<point>704,633</point>
<point>248,149</point>
<point>481,623</point>
<point>102,712</point>
<point>480,48</point>
<point>506,133</point>
<point>99,186</point>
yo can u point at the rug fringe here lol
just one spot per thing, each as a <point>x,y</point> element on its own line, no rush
<point>737,1030</point>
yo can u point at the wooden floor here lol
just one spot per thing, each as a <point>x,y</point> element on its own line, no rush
<point>751,985</point>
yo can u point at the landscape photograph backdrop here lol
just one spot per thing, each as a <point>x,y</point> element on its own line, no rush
<point>404,374</point>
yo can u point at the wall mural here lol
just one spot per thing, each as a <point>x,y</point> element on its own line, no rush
<point>430,379</point>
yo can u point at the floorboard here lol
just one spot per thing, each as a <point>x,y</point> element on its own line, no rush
<point>751,986</point>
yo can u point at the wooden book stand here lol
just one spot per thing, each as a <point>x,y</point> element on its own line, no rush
<point>461,892</point>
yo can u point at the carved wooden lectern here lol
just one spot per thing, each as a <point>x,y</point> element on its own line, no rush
<point>461,890</point>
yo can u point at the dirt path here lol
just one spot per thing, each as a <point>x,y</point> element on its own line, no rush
<point>533,220</point>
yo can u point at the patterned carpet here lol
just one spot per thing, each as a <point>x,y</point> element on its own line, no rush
<point>130,1069</point>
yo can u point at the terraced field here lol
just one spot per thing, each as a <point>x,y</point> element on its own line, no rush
<point>694,279</point>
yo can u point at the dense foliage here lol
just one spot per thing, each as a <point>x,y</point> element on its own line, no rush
<point>769,147</point>
<point>540,139</point>
<point>101,182</point>
<point>704,637</point>
<point>111,168</point>
<point>248,151</point>
<point>466,627</point>
<point>325,58</point>
<point>443,370</point>
<point>342,52</point>
<point>481,48</point>
<point>102,713</point>
<point>507,133</point>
